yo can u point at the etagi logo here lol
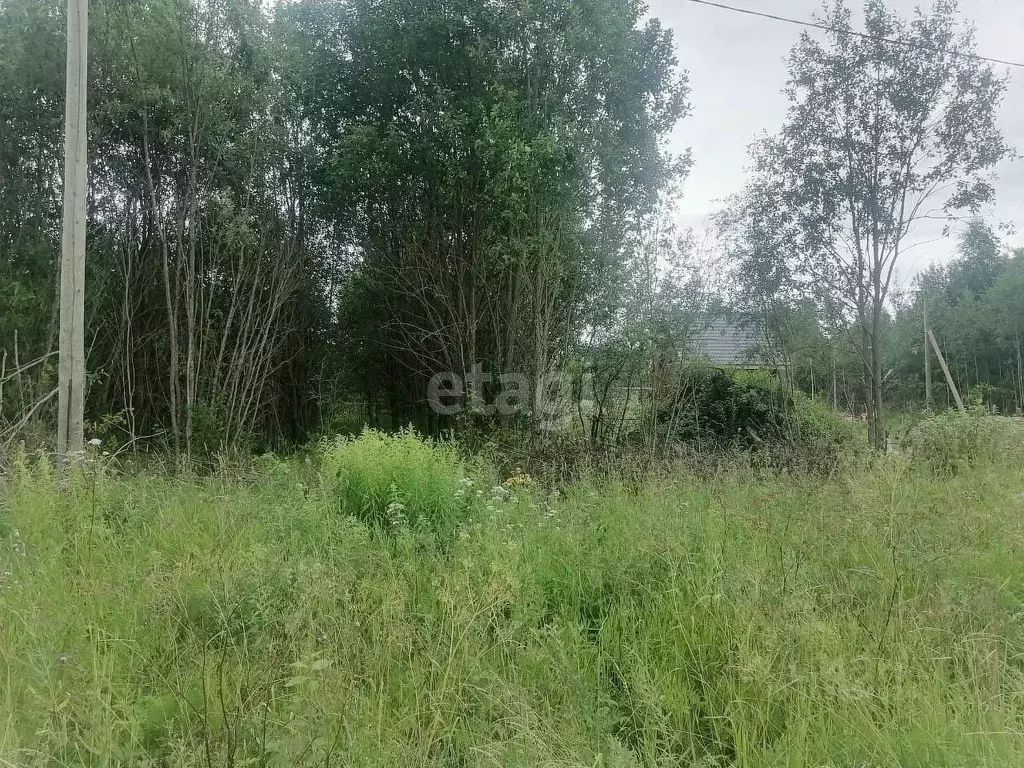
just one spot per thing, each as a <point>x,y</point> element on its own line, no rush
<point>449,393</point>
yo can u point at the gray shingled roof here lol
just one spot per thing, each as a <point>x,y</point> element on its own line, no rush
<point>725,343</point>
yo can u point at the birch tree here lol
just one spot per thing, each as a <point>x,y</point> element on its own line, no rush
<point>887,129</point>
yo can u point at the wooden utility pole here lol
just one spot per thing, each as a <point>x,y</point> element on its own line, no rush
<point>835,380</point>
<point>929,402</point>
<point>71,367</point>
<point>945,370</point>
<point>1020,376</point>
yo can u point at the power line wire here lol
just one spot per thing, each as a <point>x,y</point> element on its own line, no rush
<point>854,33</point>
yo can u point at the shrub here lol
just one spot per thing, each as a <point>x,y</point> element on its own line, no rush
<point>395,480</point>
<point>752,413</point>
<point>716,409</point>
<point>817,438</point>
<point>951,442</point>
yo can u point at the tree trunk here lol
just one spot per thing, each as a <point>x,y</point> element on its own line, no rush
<point>172,330</point>
<point>867,361</point>
<point>877,410</point>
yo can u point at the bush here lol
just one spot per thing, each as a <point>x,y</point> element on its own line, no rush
<point>752,413</point>
<point>953,442</point>
<point>395,480</point>
<point>818,439</point>
<point>715,409</point>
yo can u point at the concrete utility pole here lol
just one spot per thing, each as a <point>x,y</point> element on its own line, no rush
<point>71,368</point>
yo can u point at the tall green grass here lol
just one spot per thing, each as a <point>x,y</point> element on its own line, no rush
<point>392,480</point>
<point>876,619</point>
<point>951,442</point>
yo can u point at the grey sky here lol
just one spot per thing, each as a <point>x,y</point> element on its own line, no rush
<point>737,70</point>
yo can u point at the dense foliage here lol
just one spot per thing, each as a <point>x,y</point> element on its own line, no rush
<point>714,407</point>
<point>298,208</point>
<point>976,309</point>
<point>393,481</point>
<point>300,213</point>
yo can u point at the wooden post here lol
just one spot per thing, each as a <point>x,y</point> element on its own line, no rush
<point>929,402</point>
<point>835,382</point>
<point>1020,376</point>
<point>71,367</point>
<point>945,370</point>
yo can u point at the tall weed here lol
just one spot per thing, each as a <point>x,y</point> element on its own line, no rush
<point>393,481</point>
<point>953,443</point>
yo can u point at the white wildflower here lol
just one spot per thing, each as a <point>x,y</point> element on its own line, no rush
<point>396,513</point>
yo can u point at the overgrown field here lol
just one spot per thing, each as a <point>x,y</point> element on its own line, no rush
<point>387,605</point>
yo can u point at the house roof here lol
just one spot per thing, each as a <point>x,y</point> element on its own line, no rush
<point>725,343</point>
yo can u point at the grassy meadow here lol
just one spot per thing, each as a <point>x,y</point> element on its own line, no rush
<point>384,603</point>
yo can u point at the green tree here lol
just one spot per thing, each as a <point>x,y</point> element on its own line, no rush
<point>286,201</point>
<point>488,170</point>
<point>199,268</point>
<point>879,135</point>
<point>976,313</point>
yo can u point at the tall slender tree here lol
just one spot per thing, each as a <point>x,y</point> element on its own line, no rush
<point>888,127</point>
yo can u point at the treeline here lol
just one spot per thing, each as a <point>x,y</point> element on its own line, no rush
<point>300,213</point>
<point>975,308</point>
<point>296,208</point>
<point>203,284</point>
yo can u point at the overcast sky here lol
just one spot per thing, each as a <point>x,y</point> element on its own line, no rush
<point>737,70</point>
